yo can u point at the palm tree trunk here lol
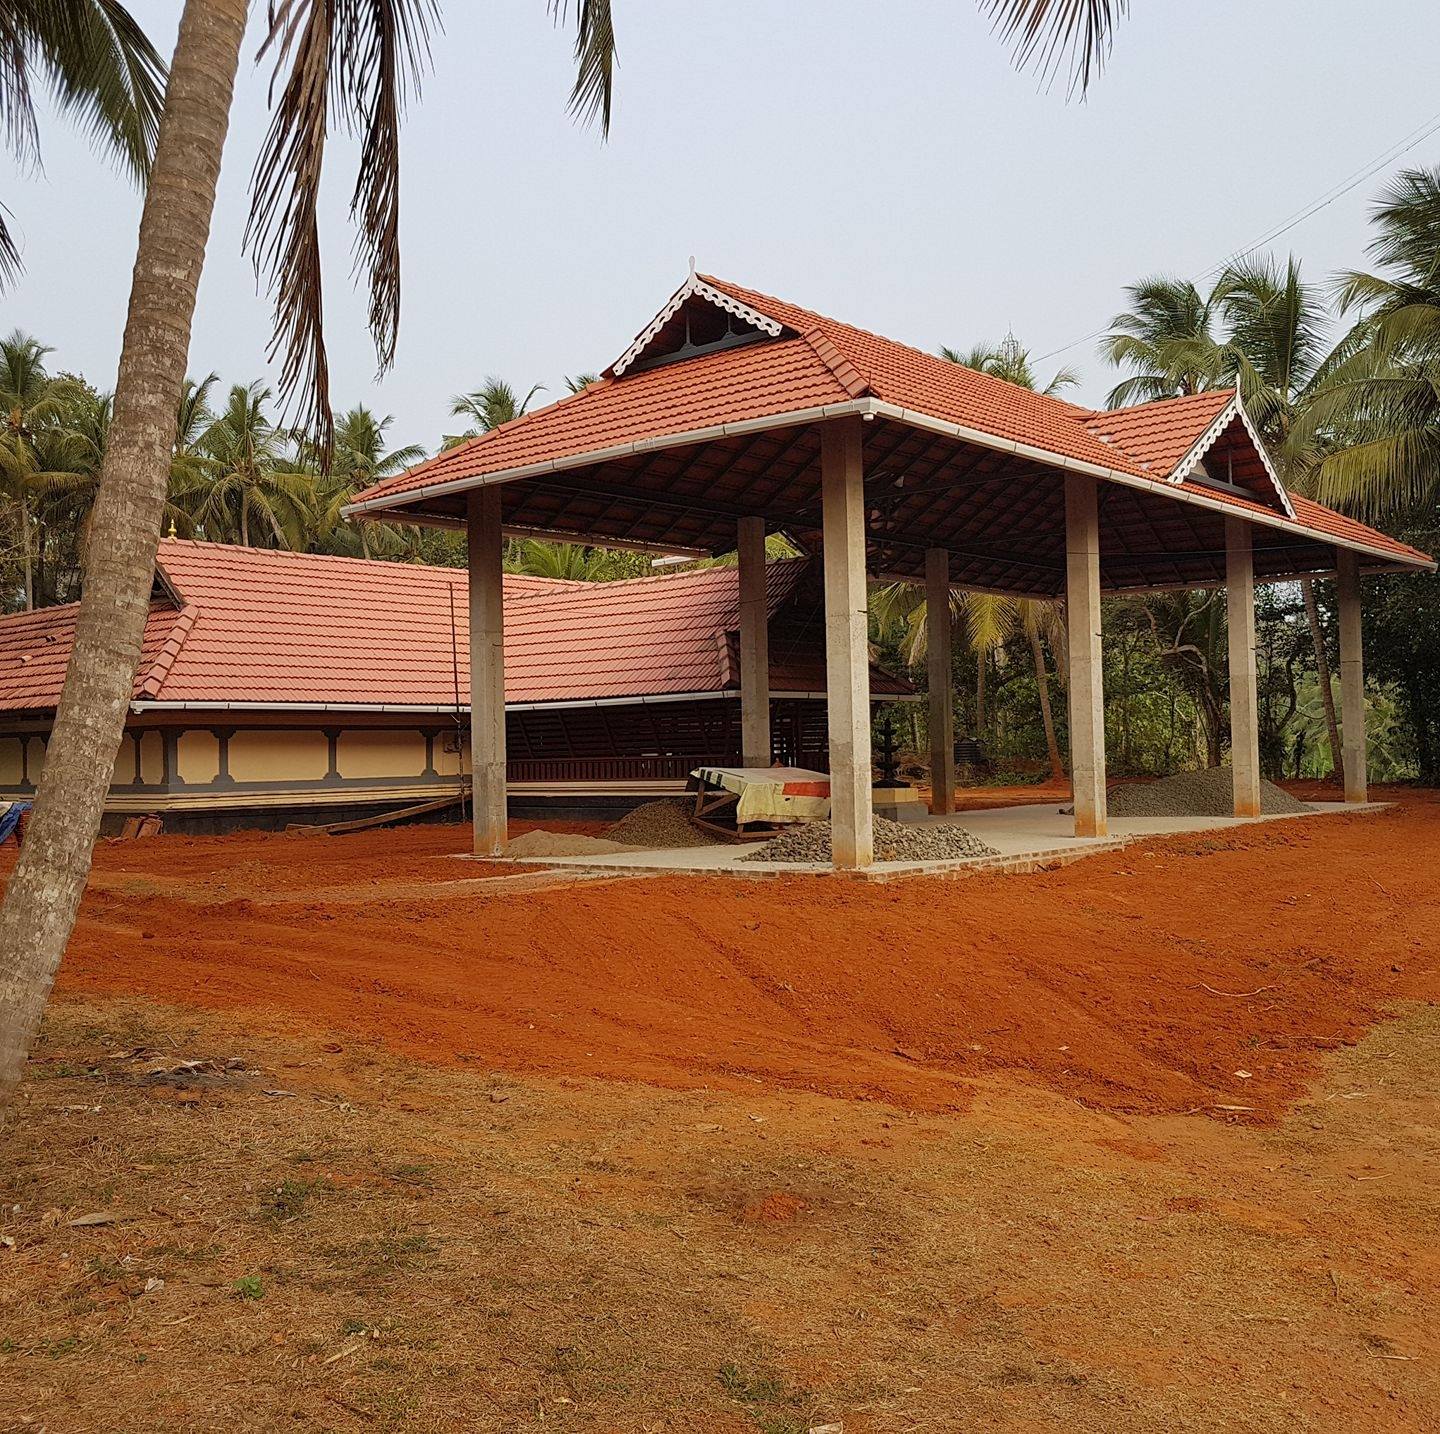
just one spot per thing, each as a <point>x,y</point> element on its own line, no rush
<point>49,878</point>
<point>25,550</point>
<point>980,694</point>
<point>1047,718</point>
<point>1322,673</point>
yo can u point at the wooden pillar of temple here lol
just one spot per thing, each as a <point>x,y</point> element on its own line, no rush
<point>847,656</point>
<point>487,669</point>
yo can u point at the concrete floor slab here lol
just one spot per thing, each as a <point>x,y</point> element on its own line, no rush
<point>1025,838</point>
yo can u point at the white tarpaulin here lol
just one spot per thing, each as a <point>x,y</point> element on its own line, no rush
<point>772,794</point>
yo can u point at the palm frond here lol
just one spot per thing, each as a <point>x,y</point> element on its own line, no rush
<point>593,94</point>
<point>358,61</point>
<point>1051,35</point>
<point>101,70</point>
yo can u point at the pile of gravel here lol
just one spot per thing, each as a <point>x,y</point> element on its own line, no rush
<point>894,841</point>
<point>1210,793</point>
<point>660,824</point>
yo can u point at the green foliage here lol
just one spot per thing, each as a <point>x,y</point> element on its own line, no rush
<point>249,1287</point>
<point>1402,641</point>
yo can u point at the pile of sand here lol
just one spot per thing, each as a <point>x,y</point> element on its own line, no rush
<point>543,843</point>
<point>657,825</point>
<point>1210,793</point>
<point>894,841</point>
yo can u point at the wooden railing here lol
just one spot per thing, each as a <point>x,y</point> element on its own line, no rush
<point>603,769</point>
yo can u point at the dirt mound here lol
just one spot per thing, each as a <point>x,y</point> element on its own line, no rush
<point>894,841</point>
<point>657,825</point>
<point>1210,793</point>
<point>543,843</point>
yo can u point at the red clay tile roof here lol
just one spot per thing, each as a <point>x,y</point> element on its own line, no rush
<point>819,361</point>
<point>35,647</point>
<point>260,627</point>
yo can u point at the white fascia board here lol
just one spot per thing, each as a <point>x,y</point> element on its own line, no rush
<point>450,709</point>
<point>1160,486</point>
<point>608,455</point>
<point>876,408</point>
<point>1207,440</point>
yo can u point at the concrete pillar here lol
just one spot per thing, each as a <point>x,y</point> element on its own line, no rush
<point>487,669</point>
<point>941,681</point>
<point>847,656</point>
<point>754,645</point>
<point>1352,677</point>
<point>1087,691</point>
<point>1244,698</point>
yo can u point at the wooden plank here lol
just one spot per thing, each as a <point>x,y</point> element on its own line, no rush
<point>378,819</point>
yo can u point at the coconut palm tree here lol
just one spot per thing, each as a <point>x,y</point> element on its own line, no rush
<point>1376,425</point>
<point>33,404</point>
<point>252,484</point>
<point>351,63</point>
<point>1275,349</point>
<point>360,458</point>
<point>1166,339</point>
<point>487,407</point>
<point>1261,328</point>
<point>100,70</point>
<point>576,562</point>
<point>1009,360</point>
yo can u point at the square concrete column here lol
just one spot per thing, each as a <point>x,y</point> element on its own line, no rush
<point>1087,687</point>
<point>1352,678</point>
<point>1244,697</point>
<point>941,681</point>
<point>487,669</point>
<point>754,645</point>
<point>847,654</point>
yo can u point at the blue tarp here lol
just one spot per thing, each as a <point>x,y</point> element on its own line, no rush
<point>10,815</point>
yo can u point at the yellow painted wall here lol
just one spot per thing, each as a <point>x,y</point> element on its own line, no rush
<point>271,756</point>
<point>123,773</point>
<point>363,753</point>
<point>197,756</point>
<point>152,757</point>
<point>12,761</point>
<point>36,757</point>
<point>451,764</point>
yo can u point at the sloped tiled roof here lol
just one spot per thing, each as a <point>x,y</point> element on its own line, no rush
<point>259,626</point>
<point>818,363</point>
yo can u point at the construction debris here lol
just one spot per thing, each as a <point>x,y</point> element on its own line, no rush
<point>1210,793</point>
<point>894,841</point>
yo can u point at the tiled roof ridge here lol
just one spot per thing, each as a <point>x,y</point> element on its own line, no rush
<point>830,325</point>
<point>1151,404</point>
<point>154,681</point>
<point>381,564</point>
<point>846,374</point>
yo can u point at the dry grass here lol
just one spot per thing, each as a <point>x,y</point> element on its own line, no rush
<point>395,1246</point>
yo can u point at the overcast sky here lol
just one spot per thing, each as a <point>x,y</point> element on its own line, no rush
<point>877,160</point>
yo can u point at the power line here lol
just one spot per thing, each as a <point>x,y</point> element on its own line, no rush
<point>1343,187</point>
